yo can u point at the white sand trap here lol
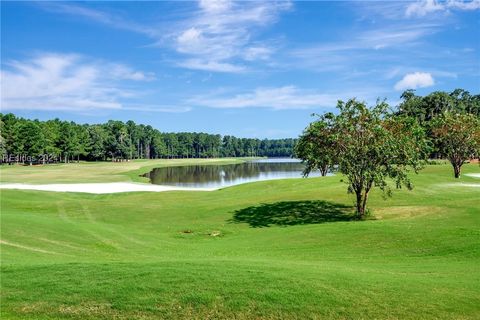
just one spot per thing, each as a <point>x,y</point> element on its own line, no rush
<point>470,185</point>
<point>99,188</point>
<point>474,175</point>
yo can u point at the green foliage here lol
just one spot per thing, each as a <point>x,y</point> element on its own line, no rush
<point>96,141</point>
<point>316,146</point>
<point>369,146</point>
<point>31,138</point>
<point>457,137</point>
<point>3,147</point>
<point>373,147</point>
<point>118,141</point>
<point>424,109</point>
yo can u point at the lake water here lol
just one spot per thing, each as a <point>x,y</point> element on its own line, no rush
<point>217,176</point>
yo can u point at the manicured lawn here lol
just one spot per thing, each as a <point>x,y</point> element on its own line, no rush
<point>283,249</point>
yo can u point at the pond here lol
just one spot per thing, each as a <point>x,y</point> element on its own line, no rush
<point>218,176</point>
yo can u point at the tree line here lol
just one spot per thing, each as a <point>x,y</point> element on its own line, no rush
<point>371,146</point>
<point>26,141</point>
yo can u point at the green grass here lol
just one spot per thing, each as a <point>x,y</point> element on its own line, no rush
<point>283,249</point>
<point>96,171</point>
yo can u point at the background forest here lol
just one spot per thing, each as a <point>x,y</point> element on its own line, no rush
<point>25,140</point>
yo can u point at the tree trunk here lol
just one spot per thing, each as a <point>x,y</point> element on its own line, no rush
<point>360,209</point>
<point>362,198</point>
<point>457,169</point>
<point>324,171</point>
<point>457,166</point>
<point>364,203</point>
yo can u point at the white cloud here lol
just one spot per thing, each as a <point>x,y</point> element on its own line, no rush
<point>214,66</point>
<point>219,35</point>
<point>65,82</point>
<point>120,71</point>
<point>415,80</point>
<point>362,48</point>
<point>257,53</point>
<point>395,36</point>
<point>424,7</point>
<point>287,97</point>
<point>464,5</point>
<point>105,18</point>
<point>215,5</point>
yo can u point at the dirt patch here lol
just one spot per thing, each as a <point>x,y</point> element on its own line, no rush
<point>404,212</point>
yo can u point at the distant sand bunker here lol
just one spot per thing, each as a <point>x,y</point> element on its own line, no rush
<point>99,188</point>
<point>473,185</point>
<point>470,185</point>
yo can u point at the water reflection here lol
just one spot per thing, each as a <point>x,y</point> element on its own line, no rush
<point>215,176</point>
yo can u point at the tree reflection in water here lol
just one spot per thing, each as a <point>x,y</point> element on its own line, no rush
<point>211,176</point>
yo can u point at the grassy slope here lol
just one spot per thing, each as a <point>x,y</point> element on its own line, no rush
<point>126,255</point>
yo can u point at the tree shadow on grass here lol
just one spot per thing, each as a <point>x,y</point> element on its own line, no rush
<point>290,213</point>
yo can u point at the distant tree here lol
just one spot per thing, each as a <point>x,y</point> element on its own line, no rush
<point>3,147</point>
<point>316,146</point>
<point>82,145</point>
<point>11,135</point>
<point>466,102</point>
<point>457,137</point>
<point>148,133</point>
<point>97,138</point>
<point>159,148</point>
<point>424,109</point>
<point>32,139</point>
<point>51,131</point>
<point>372,147</point>
<point>118,140</point>
<point>68,141</point>
<point>118,143</point>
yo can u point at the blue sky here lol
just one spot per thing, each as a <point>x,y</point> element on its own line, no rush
<point>251,69</point>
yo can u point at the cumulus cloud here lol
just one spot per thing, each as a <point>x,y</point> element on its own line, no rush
<point>218,36</point>
<point>72,82</point>
<point>415,80</point>
<point>424,7</point>
<point>281,98</point>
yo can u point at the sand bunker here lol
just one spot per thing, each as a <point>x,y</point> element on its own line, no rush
<point>99,188</point>
<point>470,185</point>
<point>474,175</point>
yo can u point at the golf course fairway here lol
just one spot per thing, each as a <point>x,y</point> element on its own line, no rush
<point>280,249</point>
